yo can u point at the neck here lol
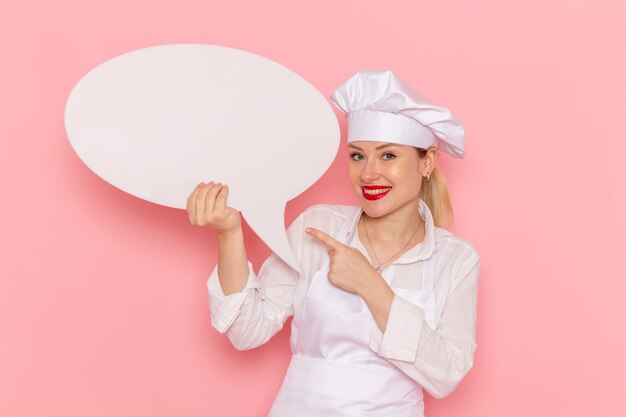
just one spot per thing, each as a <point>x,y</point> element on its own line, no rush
<point>396,227</point>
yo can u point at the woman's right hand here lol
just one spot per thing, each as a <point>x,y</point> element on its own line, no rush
<point>206,206</point>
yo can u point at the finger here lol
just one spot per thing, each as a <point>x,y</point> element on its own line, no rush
<point>220,201</point>
<point>324,238</point>
<point>200,199</point>
<point>209,204</point>
<point>191,201</point>
<point>193,194</point>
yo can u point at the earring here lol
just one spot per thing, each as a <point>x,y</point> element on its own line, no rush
<point>428,177</point>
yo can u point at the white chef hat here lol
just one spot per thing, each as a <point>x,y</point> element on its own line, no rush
<point>380,107</point>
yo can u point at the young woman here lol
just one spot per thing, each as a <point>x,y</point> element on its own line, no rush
<point>385,303</point>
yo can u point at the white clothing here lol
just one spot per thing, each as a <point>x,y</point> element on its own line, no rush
<point>333,371</point>
<point>436,359</point>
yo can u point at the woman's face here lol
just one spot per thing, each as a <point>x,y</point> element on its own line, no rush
<point>384,176</point>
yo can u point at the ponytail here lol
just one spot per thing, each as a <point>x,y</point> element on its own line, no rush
<point>434,193</point>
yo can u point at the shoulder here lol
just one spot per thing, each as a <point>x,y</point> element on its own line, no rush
<point>326,217</point>
<point>456,250</point>
<point>446,238</point>
<point>329,210</point>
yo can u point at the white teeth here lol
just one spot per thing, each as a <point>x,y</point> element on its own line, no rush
<point>374,192</point>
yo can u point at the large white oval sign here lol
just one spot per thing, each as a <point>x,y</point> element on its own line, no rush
<point>156,121</point>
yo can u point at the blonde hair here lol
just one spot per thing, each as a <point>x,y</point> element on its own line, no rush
<point>434,192</point>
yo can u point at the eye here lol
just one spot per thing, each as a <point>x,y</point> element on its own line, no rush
<point>388,156</point>
<point>355,156</point>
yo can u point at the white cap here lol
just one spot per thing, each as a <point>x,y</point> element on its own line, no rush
<point>381,108</point>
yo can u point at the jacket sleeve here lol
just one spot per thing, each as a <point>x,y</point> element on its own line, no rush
<point>436,359</point>
<point>251,317</point>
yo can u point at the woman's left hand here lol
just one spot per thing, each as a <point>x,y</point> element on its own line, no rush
<point>349,269</point>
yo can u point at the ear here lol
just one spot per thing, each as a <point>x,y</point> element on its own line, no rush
<point>429,161</point>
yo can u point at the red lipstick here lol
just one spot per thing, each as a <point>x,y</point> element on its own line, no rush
<point>376,196</point>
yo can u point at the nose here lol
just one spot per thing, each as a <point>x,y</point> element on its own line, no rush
<point>370,171</point>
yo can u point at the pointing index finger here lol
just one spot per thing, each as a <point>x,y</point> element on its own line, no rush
<point>324,238</point>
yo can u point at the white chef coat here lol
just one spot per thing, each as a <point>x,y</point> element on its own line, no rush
<point>436,359</point>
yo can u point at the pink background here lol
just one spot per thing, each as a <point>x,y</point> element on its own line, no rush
<point>103,303</point>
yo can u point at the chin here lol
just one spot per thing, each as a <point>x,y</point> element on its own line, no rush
<point>373,210</point>
<point>381,208</point>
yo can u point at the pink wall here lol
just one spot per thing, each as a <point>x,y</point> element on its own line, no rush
<point>103,304</point>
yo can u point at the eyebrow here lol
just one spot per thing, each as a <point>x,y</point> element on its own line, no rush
<point>377,148</point>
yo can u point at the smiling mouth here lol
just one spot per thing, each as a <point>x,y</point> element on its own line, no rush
<point>375,192</point>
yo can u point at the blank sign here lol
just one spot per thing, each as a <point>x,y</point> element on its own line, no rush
<point>157,121</point>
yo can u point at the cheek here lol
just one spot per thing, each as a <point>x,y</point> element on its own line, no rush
<point>353,174</point>
<point>408,182</point>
